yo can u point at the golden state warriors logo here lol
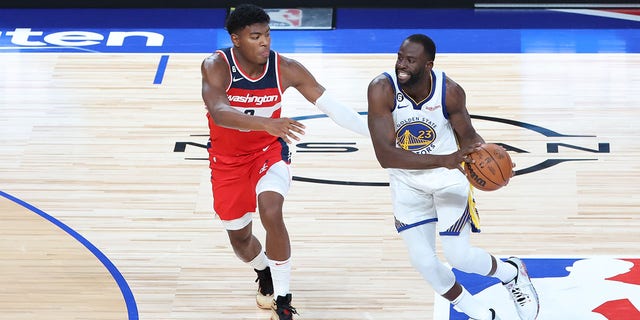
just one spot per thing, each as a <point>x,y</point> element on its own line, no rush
<point>415,136</point>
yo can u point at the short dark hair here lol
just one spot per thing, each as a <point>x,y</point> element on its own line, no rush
<point>245,15</point>
<point>426,42</point>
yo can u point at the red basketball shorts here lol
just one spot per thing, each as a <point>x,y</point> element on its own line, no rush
<point>234,179</point>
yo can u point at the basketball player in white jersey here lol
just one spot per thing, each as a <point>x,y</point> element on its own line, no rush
<point>422,133</point>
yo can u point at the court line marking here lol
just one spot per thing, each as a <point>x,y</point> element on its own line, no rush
<point>162,66</point>
<point>132,308</point>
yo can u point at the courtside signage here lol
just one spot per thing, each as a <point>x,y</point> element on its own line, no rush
<point>30,38</point>
<point>26,39</point>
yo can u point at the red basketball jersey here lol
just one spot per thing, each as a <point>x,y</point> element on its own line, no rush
<point>259,97</point>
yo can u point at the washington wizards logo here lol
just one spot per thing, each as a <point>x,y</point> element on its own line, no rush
<point>415,136</point>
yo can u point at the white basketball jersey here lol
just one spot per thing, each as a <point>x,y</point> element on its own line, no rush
<point>423,126</point>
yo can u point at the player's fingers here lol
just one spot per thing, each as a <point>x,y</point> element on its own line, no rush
<point>471,149</point>
<point>292,135</point>
<point>296,129</point>
<point>468,159</point>
<point>297,124</point>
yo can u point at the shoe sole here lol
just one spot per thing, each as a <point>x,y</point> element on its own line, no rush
<point>264,302</point>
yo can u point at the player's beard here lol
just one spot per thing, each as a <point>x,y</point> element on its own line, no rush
<point>414,78</point>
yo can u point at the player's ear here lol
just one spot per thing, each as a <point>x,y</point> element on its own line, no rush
<point>429,65</point>
<point>235,39</point>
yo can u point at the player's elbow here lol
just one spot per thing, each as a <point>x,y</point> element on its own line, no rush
<point>384,160</point>
<point>218,116</point>
<point>384,166</point>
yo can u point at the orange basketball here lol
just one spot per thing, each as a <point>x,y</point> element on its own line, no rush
<point>492,168</point>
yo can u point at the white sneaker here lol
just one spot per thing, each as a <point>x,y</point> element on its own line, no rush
<point>522,291</point>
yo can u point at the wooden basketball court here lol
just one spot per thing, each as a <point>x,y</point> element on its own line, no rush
<point>88,146</point>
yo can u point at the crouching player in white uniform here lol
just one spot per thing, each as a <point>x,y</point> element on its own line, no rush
<point>417,121</point>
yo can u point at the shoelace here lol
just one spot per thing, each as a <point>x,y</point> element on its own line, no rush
<point>520,297</point>
<point>262,280</point>
<point>287,310</point>
<point>292,309</point>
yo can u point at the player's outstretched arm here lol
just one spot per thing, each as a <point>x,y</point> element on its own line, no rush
<point>215,80</point>
<point>294,74</point>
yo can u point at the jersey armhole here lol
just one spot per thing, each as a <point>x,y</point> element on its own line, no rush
<point>395,91</point>
<point>228,67</point>
<point>445,113</point>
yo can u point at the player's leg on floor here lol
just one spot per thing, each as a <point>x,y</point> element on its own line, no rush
<point>271,190</point>
<point>248,248</point>
<point>420,242</point>
<point>512,273</point>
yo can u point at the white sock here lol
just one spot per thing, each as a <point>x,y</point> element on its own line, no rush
<point>281,275</point>
<point>468,304</point>
<point>505,271</point>
<point>260,262</point>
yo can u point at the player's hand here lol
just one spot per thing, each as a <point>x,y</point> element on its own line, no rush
<point>513,165</point>
<point>462,156</point>
<point>285,128</point>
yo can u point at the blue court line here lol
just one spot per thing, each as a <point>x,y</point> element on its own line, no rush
<point>164,60</point>
<point>130,301</point>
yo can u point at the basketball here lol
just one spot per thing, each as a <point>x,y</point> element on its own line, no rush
<point>492,167</point>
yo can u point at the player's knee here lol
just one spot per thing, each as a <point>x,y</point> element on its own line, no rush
<point>272,220</point>
<point>470,259</point>
<point>459,255</point>
<point>425,263</point>
<point>239,241</point>
<point>460,260</point>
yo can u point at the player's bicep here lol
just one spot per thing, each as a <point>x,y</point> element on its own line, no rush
<point>380,97</point>
<point>294,74</point>
<point>215,80</point>
<point>457,111</point>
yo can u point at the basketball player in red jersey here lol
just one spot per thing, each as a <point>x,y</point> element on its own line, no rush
<point>421,131</point>
<point>242,87</point>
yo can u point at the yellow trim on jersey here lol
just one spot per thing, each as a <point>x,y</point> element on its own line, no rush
<point>475,218</point>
